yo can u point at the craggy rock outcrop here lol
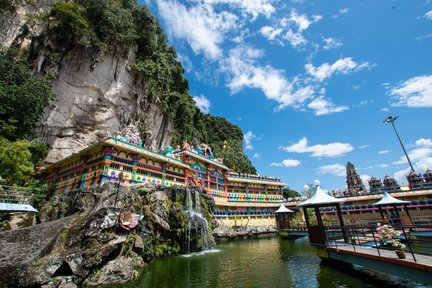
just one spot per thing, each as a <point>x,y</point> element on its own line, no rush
<point>222,233</point>
<point>96,95</point>
<point>19,20</point>
<point>82,244</point>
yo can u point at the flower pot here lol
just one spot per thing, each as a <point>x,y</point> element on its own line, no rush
<point>400,254</point>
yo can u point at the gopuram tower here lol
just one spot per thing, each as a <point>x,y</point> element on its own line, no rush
<point>354,182</point>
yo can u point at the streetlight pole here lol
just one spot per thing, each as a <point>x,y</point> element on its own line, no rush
<point>391,120</point>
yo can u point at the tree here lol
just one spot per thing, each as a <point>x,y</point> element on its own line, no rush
<point>289,193</point>
<point>22,97</point>
<point>15,161</point>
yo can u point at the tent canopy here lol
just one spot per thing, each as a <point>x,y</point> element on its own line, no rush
<point>388,199</point>
<point>319,197</point>
<point>283,209</point>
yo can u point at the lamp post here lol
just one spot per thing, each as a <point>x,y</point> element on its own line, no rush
<point>391,119</point>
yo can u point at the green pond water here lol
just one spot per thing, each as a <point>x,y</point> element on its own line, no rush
<point>271,262</point>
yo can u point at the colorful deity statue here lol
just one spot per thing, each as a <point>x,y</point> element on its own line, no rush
<point>185,145</point>
<point>169,151</point>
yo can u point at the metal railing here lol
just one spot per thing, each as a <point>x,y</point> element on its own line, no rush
<point>417,238</point>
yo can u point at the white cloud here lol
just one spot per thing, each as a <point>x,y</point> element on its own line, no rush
<point>270,32</point>
<point>252,7</point>
<point>257,156</point>
<point>203,103</point>
<point>287,163</point>
<point>385,110</point>
<point>364,146</point>
<point>383,152</point>
<point>247,139</point>
<point>382,165</point>
<point>290,29</point>
<point>294,38</point>
<point>343,10</point>
<point>415,92</point>
<point>428,15</point>
<point>365,179</point>
<point>419,166</point>
<point>416,155</point>
<point>344,66</point>
<point>245,73</point>
<point>331,43</point>
<point>335,149</point>
<point>302,21</point>
<point>334,169</point>
<point>322,106</point>
<point>199,25</point>
<point>424,142</point>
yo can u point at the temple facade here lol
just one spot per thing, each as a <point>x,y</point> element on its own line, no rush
<point>121,159</point>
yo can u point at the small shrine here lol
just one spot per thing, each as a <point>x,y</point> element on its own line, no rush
<point>415,181</point>
<point>375,185</point>
<point>390,184</point>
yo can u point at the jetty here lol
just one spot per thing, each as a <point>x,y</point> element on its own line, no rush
<point>396,247</point>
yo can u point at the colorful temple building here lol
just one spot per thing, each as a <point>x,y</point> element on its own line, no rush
<point>239,198</point>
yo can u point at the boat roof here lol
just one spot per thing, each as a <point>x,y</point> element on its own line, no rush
<point>388,199</point>
<point>283,209</point>
<point>319,197</point>
<point>14,207</point>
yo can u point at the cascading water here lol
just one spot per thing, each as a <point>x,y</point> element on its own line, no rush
<point>198,234</point>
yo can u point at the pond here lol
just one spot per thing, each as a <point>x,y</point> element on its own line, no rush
<point>271,262</point>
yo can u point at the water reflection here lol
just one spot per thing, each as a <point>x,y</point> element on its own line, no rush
<point>251,263</point>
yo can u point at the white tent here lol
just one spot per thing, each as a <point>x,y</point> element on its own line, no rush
<point>319,197</point>
<point>390,200</point>
<point>283,209</point>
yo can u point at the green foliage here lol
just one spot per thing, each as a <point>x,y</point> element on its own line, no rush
<point>111,23</point>
<point>166,248</point>
<point>68,24</point>
<point>128,245</point>
<point>15,161</point>
<point>39,191</point>
<point>22,97</point>
<point>289,193</point>
<point>39,151</point>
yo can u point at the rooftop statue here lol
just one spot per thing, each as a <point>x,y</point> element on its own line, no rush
<point>130,135</point>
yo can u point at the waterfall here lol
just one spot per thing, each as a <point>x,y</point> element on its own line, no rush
<point>198,236</point>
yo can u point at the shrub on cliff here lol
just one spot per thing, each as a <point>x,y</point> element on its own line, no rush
<point>22,97</point>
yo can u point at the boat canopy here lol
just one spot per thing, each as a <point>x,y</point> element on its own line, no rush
<point>283,209</point>
<point>387,199</point>
<point>319,197</point>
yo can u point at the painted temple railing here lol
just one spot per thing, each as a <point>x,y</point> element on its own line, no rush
<point>246,197</point>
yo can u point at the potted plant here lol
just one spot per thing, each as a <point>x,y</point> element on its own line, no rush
<point>390,237</point>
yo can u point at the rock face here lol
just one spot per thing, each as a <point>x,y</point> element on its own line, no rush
<point>18,20</point>
<point>82,242</point>
<point>222,232</point>
<point>93,102</point>
<point>95,95</point>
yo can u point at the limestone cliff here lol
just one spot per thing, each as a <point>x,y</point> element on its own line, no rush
<point>110,66</point>
<point>95,95</point>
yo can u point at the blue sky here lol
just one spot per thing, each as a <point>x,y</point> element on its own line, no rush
<point>310,82</point>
